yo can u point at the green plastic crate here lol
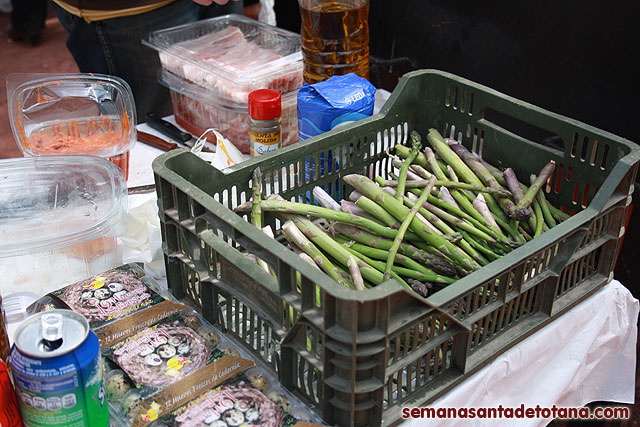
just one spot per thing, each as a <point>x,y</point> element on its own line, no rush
<point>358,357</point>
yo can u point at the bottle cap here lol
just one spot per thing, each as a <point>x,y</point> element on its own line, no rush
<point>265,104</point>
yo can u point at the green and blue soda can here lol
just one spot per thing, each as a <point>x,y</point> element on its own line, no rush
<point>57,371</point>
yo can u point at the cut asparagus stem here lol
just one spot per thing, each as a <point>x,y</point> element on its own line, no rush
<point>356,275</point>
<point>405,224</point>
<point>295,236</point>
<point>337,251</point>
<point>324,199</point>
<point>445,196</point>
<point>481,206</point>
<point>378,266</point>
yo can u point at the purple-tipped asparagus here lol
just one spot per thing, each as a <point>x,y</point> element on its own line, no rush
<point>540,181</point>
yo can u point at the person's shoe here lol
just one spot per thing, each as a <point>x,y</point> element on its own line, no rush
<point>34,37</point>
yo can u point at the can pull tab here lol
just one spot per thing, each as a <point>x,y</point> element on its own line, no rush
<point>51,331</point>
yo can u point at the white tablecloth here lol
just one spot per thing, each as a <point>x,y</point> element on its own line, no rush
<point>586,355</point>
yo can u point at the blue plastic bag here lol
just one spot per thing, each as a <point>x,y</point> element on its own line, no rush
<point>323,106</point>
<point>336,101</point>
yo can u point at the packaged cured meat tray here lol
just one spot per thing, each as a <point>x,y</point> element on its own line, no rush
<point>231,55</point>
<point>197,109</point>
<point>362,355</point>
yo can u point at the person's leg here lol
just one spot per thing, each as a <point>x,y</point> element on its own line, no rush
<point>114,47</point>
<point>138,64</point>
<point>27,20</point>
<point>82,42</point>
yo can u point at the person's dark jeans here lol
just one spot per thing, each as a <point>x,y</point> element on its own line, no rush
<point>27,20</point>
<point>114,47</point>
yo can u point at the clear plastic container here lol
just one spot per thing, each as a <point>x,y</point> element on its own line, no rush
<point>231,55</point>
<point>89,114</point>
<point>197,109</point>
<point>59,220</point>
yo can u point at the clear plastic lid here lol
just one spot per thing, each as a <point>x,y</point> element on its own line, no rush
<point>231,55</point>
<point>71,114</point>
<point>197,92</point>
<point>52,202</point>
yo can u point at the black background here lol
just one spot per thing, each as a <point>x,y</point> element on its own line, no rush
<point>576,58</point>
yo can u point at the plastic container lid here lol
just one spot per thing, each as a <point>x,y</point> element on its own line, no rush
<point>265,104</point>
<point>52,202</point>
<point>231,55</point>
<point>89,114</point>
<point>197,92</point>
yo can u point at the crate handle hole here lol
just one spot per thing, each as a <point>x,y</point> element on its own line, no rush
<point>524,130</point>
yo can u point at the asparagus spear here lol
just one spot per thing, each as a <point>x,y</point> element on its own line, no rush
<point>382,215</point>
<point>295,236</point>
<point>546,212</point>
<point>541,179</point>
<point>286,207</point>
<point>539,218</point>
<point>376,265</point>
<point>256,212</point>
<point>380,254</point>
<point>325,199</point>
<point>435,262</point>
<point>485,176</point>
<point>416,144</point>
<point>481,206</point>
<point>370,189</point>
<point>557,214</point>
<point>405,223</point>
<point>449,184</point>
<point>337,251</point>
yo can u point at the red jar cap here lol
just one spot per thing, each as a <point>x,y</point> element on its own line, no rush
<point>265,104</point>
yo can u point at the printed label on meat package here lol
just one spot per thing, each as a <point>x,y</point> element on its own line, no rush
<point>165,352</point>
<point>105,297</point>
<point>235,403</point>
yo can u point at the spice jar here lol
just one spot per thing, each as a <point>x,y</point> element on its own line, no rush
<point>265,108</point>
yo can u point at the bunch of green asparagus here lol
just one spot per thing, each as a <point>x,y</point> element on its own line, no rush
<point>446,214</point>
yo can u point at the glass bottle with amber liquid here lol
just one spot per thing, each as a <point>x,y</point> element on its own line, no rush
<point>335,38</point>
